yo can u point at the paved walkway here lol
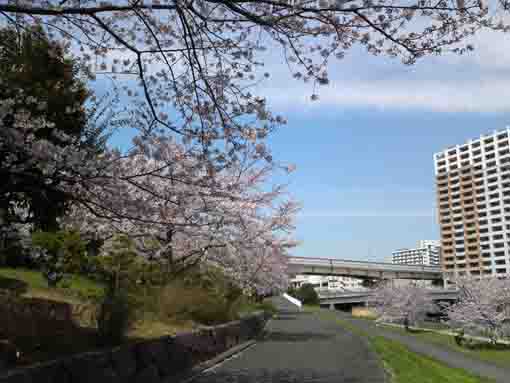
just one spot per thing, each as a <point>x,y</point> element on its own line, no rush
<point>447,356</point>
<point>301,348</point>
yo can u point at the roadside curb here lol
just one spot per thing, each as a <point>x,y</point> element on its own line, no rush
<point>218,359</point>
<point>201,367</point>
<point>445,332</point>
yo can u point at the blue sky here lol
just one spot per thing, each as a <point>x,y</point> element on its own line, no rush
<point>366,178</point>
<point>364,151</point>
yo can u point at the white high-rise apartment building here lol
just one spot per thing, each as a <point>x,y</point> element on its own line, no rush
<point>473,196</point>
<point>427,253</point>
<point>327,283</point>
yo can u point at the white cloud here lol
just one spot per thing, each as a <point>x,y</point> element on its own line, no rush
<point>367,214</point>
<point>476,82</point>
<point>482,95</point>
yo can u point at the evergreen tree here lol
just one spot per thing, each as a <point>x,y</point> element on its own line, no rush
<point>43,70</point>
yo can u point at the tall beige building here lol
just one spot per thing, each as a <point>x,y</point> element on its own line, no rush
<point>473,197</point>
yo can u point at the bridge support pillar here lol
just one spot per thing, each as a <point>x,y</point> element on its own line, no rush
<point>331,306</point>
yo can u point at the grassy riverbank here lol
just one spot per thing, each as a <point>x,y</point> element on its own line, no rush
<point>496,354</point>
<point>405,366</point>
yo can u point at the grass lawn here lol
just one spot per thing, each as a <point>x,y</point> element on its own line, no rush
<point>405,366</point>
<point>73,289</point>
<point>78,290</point>
<point>487,353</point>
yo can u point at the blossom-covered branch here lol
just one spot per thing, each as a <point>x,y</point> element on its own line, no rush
<point>195,61</point>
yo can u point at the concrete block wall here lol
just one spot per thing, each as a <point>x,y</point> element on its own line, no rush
<point>153,361</point>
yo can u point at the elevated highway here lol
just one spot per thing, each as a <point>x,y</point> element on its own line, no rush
<point>361,269</point>
<point>362,297</point>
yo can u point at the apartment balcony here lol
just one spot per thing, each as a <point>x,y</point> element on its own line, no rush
<point>454,196</point>
<point>504,157</point>
<point>469,203</point>
<point>444,218</point>
<point>497,240</point>
<point>473,237</point>
<point>443,194</point>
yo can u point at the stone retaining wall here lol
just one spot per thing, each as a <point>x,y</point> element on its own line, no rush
<point>33,317</point>
<point>154,361</point>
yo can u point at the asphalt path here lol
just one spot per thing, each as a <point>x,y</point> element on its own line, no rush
<point>299,347</point>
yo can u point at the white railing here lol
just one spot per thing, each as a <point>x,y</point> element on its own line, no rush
<point>293,300</point>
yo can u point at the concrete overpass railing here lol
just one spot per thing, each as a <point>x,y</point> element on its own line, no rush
<point>352,297</point>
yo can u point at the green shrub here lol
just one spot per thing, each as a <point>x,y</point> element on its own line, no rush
<point>177,300</point>
<point>13,286</point>
<point>213,312</point>
<point>62,252</point>
<point>307,295</point>
<point>114,318</point>
<point>121,267</point>
<point>268,307</point>
<point>292,291</point>
<point>460,338</point>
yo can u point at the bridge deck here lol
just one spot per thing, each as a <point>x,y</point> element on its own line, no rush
<point>325,266</point>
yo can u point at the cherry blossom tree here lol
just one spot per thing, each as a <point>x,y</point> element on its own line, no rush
<point>403,304</point>
<point>196,178</point>
<point>174,205</point>
<point>483,307</point>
